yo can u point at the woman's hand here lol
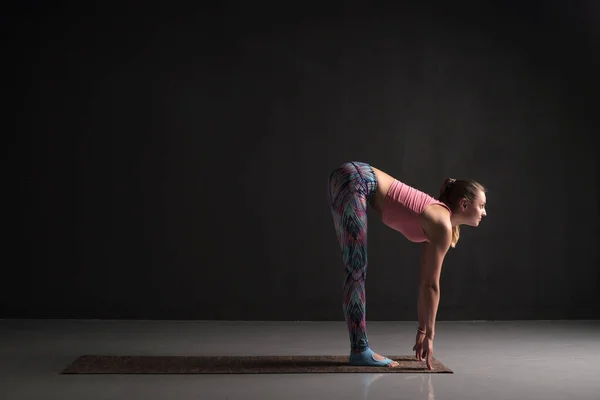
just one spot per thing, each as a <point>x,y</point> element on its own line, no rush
<point>424,349</point>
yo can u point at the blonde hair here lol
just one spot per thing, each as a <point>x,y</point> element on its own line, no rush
<point>453,191</point>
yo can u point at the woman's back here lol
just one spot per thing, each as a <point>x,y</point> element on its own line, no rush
<point>384,182</point>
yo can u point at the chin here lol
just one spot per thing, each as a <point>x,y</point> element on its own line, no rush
<point>474,223</point>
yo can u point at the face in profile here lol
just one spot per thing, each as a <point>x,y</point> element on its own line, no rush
<point>475,210</point>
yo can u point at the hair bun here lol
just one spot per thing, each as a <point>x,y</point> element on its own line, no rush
<point>446,186</point>
<point>449,182</point>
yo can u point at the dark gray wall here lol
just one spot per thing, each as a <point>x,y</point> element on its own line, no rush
<point>173,164</point>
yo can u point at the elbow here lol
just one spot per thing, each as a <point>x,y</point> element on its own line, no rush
<point>430,286</point>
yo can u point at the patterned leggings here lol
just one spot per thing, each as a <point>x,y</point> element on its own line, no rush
<point>351,188</point>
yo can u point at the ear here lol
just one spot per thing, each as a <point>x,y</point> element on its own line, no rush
<point>463,203</point>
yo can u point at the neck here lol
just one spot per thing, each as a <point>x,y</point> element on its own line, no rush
<point>456,220</point>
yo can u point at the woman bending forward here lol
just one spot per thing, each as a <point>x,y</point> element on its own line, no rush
<point>420,218</point>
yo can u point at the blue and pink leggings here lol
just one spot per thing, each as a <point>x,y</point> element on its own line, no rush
<point>351,188</point>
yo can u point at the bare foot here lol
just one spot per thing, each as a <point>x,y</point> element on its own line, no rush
<point>381,358</point>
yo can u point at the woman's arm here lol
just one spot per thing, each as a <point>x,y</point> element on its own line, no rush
<point>432,257</point>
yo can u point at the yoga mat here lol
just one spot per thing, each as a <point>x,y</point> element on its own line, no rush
<point>105,364</point>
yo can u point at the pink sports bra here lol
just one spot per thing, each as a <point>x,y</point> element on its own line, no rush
<point>402,207</point>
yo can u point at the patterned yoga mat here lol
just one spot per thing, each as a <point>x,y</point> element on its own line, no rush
<point>106,364</point>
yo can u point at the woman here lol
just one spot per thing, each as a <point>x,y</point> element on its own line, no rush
<point>420,218</point>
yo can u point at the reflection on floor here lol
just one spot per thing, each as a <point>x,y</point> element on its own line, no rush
<point>491,360</point>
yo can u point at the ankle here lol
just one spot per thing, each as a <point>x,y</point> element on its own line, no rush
<point>359,350</point>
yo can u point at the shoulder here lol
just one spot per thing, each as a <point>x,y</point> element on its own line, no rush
<point>437,226</point>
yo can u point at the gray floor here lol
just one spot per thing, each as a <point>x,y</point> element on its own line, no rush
<point>490,360</point>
